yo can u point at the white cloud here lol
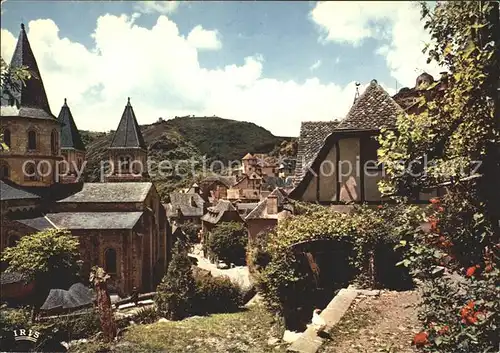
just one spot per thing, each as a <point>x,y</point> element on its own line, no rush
<point>315,66</point>
<point>159,69</point>
<point>395,23</point>
<point>161,7</point>
<point>204,39</point>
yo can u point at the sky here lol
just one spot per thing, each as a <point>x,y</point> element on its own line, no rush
<point>271,63</point>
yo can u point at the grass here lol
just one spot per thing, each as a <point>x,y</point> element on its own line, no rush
<point>244,331</point>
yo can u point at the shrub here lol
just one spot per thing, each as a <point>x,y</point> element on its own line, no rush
<point>146,315</point>
<point>228,242</point>
<point>191,231</point>
<point>294,279</point>
<point>216,295</point>
<point>175,292</point>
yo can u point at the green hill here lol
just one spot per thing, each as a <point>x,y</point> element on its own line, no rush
<point>186,138</point>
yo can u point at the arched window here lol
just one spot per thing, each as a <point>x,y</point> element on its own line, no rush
<point>12,241</point>
<point>30,171</point>
<point>4,171</point>
<point>31,140</point>
<point>6,137</point>
<point>125,164</point>
<point>110,261</point>
<point>54,142</point>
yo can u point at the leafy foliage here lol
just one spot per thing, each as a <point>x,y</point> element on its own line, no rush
<point>287,282</point>
<point>216,295</point>
<point>175,293</point>
<point>228,241</point>
<point>457,129</point>
<point>48,256</point>
<point>10,80</point>
<point>191,230</point>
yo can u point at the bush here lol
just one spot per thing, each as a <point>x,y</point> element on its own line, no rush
<point>216,295</point>
<point>146,315</point>
<point>287,279</point>
<point>175,293</point>
<point>228,242</point>
<point>191,231</point>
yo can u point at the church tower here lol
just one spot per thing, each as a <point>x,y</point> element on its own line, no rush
<point>128,153</point>
<point>29,129</point>
<point>72,147</point>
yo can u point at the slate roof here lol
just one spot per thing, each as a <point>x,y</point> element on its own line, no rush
<point>226,180</point>
<point>111,192</point>
<point>373,110</point>
<point>128,134</point>
<point>11,277</point>
<point>312,136</point>
<point>216,212</point>
<point>260,212</point>
<point>183,201</point>
<point>248,156</point>
<point>28,100</point>
<point>70,136</point>
<point>244,208</point>
<point>77,296</point>
<point>85,220</point>
<point>10,192</point>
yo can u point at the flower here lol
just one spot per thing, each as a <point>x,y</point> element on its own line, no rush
<point>444,330</point>
<point>470,271</point>
<point>434,201</point>
<point>420,339</point>
<point>440,209</point>
<point>489,268</point>
<point>380,207</point>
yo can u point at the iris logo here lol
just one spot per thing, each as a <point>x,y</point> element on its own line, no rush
<point>26,335</point>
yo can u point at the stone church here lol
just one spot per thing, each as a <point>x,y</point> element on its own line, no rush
<point>121,223</point>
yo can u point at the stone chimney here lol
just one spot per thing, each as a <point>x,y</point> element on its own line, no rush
<point>272,205</point>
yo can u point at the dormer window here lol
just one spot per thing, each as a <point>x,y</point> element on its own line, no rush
<point>125,164</point>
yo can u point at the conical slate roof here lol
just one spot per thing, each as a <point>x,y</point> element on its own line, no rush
<point>70,136</point>
<point>29,100</point>
<point>373,110</point>
<point>128,134</point>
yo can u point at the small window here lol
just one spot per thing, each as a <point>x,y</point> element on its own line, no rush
<point>54,142</point>
<point>31,140</point>
<point>30,171</point>
<point>125,164</point>
<point>6,137</point>
<point>4,171</point>
<point>110,261</point>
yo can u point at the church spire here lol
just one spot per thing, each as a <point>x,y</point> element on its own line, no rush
<point>128,134</point>
<point>31,96</point>
<point>70,136</point>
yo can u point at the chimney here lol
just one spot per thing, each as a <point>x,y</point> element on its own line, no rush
<point>272,205</point>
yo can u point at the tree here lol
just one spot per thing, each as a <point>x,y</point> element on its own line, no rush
<point>456,130</point>
<point>98,278</point>
<point>177,289</point>
<point>49,258</point>
<point>228,242</point>
<point>10,80</point>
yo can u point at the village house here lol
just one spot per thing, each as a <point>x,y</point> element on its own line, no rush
<point>264,217</point>
<point>121,224</point>
<point>185,207</point>
<point>337,162</point>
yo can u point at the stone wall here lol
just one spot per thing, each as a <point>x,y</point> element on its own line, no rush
<point>18,152</point>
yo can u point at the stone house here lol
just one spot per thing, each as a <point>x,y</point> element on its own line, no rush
<point>342,167</point>
<point>264,217</point>
<point>185,207</point>
<point>215,187</point>
<point>121,225</point>
<point>223,211</point>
